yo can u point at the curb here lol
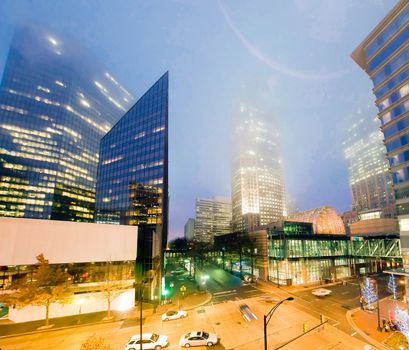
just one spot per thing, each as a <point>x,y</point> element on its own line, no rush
<point>362,333</point>
<point>58,329</point>
<point>209,297</point>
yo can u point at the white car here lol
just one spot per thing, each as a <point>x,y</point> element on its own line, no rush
<point>197,338</point>
<point>321,292</point>
<point>173,315</point>
<point>149,341</point>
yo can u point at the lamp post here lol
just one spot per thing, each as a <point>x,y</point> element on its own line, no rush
<point>377,306</point>
<point>143,283</point>
<point>268,317</point>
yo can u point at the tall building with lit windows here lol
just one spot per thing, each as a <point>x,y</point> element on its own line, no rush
<point>132,180</point>
<point>213,218</point>
<point>384,56</point>
<point>258,192</point>
<point>56,103</point>
<point>368,169</point>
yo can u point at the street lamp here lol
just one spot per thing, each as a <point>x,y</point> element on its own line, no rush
<point>143,283</point>
<point>377,306</point>
<point>268,317</point>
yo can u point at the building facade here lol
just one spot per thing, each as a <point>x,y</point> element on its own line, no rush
<point>189,229</point>
<point>291,253</point>
<point>258,193</point>
<point>213,218</point>
<point>71,247</point>
<point>132,180</point>
<point>56,102</point>
<point>384,56</point>
<point>368,169</point>
<point>323,219</point>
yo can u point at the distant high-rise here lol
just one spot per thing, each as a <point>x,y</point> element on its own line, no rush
<point>384,56</point>
<point>213,218</point>
<point>56,103</point>
<point>190,229</point>
<point>258,193</point>
<point>132,181</point>
<point>369,178</point>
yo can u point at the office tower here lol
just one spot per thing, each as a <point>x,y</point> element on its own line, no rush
<point>190,229</point>
<point>56,102</point>
<point>369,178</point>
<point>213,218</point>
<point>384,56</point>
<point>132,180</point>
<point>258,194</point>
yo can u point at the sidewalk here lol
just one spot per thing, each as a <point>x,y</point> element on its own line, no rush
<point>366,323</point>
<point>190,301</point>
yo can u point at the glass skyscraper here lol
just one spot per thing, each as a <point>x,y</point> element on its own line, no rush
<point>384,56</point>
<point>56,103</point>
<point>132,180</point>
<point>258,193</point>
<point>369,178</point>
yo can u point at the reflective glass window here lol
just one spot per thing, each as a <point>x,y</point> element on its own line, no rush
<point>389,49</point>
<point>392,83</point>
<point>391,67</point>
<point>399,126</point>
<point>400,175</point>
<point>391,29</point>
<point>395,112</point>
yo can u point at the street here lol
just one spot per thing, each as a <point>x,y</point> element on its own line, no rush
<point>223,319</point>
<point>222,316</point>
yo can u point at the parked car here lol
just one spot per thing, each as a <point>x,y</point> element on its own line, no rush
<point>197,338</point>
<point>247,313</point>
<point>321,292</point>
<point>173,315</point>
<point>149,341</point>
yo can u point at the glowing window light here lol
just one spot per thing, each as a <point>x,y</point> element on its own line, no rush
<point>53,41</point>
<point>85,103</point>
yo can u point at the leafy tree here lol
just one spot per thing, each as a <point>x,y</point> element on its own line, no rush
<point>178,244</point>
<point>46,285</point>
<point>95,343</point>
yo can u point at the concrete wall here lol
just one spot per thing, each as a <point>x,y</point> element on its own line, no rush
<point>64,242</point>
<point>80,303</point>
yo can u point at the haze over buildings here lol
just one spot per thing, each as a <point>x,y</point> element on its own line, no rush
<point>368,169</point>
<point>384,56</point>
<point>258,193</point>
<point>56,102</point>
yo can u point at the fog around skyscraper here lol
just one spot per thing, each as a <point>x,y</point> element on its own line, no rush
<point>292,56</point>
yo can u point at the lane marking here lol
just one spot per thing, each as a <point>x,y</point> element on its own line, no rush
<point>225,292</point>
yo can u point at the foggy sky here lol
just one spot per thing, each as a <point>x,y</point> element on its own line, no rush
<point>290,59</point>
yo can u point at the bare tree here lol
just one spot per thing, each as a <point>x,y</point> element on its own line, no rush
<point>111,288</point>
